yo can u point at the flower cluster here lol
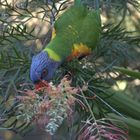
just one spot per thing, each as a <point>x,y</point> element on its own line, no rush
<point>49,105</point>
<point>103,129</point>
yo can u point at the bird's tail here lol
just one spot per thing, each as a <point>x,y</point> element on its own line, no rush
<point>80,2</point>
<point>77,2</point>
<point>97,6</point>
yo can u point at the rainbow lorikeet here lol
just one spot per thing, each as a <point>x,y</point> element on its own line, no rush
<point>77,33</point>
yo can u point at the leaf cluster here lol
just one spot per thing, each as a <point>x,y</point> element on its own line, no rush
<point>117,47</point>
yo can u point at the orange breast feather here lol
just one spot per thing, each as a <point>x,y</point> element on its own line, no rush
<point>79,50</point>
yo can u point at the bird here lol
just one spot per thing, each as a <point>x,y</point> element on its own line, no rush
<point>77,32</point>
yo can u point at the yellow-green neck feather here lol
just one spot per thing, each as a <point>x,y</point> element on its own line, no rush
<point>77,50</point>
<point>53,55</point>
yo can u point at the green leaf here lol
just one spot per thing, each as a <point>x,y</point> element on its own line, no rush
<point>128,72</point>
<point>133,125</point>
<point>124,105</point>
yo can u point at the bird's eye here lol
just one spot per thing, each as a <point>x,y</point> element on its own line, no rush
<point>44,73</point>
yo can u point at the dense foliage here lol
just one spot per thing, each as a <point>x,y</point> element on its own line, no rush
<point>25,28</point>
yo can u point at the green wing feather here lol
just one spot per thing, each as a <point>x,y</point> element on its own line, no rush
<point>77,25</point>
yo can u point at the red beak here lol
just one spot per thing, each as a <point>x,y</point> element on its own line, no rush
<point>41,84</point>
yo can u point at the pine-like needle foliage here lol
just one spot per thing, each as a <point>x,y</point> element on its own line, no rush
<point>118,47</point>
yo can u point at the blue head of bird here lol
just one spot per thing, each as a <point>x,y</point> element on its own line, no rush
<point>42,67</point>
